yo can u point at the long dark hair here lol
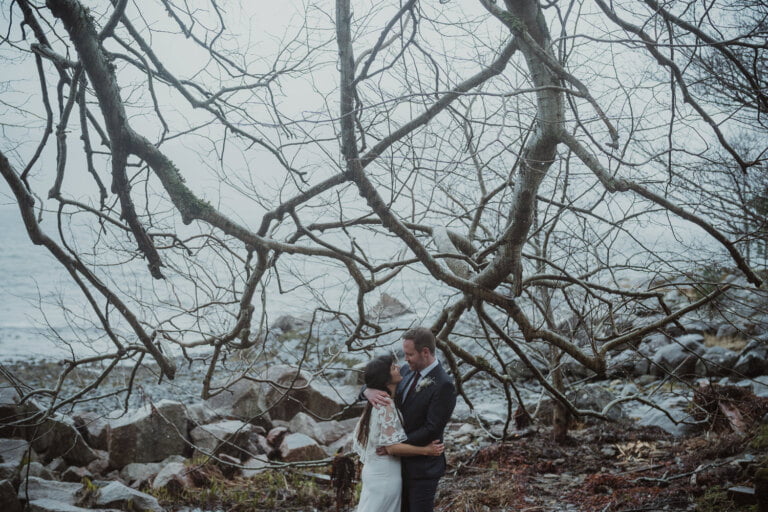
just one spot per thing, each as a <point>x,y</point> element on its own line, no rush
<point>377,376</point>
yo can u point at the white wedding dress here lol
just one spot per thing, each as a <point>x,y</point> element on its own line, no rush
<point>382,481</point>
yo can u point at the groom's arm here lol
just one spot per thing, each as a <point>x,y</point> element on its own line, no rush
<point>376,396</point>
<point>439,413</point>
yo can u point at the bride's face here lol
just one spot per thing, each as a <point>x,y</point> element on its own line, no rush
<point>394,374</point>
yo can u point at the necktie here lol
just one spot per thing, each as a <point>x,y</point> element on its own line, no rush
<point>412,387</point>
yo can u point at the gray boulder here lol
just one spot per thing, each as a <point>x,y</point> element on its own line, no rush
<point>491,413</point>
<point>276,435</point>
<point>679,357</point>
<point>349,425</point>
<point>241,400</point>
<point>715,362</point>
<point>75,474</point>
<point>591,398</point>
<point>286,392</point>
<point>324,432</point>
<point>259,445</point>
<point>117,495</point>
<point>299,447</point>
<point>389,307</point>
<point>694,326</point>
<point>9,471</point>
<point>201,414</point>
<point>57,465</point>
<point>355,376</point>
<point>753,359</point>
<point>574,369</point>
<point>727,331</point>
<point>39,489</point>
<point>628,363</point>
<point>693,342</point>
<point>137,474</point>
<point>520,371</point>
<point>174,476</point>
<point>596,398</point>
<point>759,385</point>
<point>99,466</point>
<point>287,323</point>
<point>57,436</point>
<point>13,454</point>
<point>652,343</point>
<point>229,437</point>
<point>14,416</point>
<point>229,465</point>
<point>150,434</point>
<point>13,450</point>
<point>460,434</point>
<point>342,445</point>
<point>94,429</point>
<point>254,466</point>
<point>255,446</point>
<point>38,470</point>
<point>670,415</point>
<point>656,418</point>
<point>47,505</point>
<point>8,497</point>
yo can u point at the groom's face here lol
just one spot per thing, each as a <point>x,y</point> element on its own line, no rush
<point>416,360</point>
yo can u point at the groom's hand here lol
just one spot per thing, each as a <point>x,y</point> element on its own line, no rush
<point>381,450</point>
<point>376,397</point>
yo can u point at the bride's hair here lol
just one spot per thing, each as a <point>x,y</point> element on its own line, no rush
<point>377,376</point>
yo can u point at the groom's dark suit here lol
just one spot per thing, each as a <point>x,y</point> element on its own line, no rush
<point>426,410</point>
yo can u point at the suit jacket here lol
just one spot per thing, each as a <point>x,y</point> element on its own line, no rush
<point>425,414</point>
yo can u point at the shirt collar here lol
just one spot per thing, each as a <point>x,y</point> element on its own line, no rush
<point>425,371</point>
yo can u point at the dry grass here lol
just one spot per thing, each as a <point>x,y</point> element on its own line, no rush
<point>266,492</point>
<point>488,489</point>
<point>734,343</point>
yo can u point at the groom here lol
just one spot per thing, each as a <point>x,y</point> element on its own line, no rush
<point>426,398</point>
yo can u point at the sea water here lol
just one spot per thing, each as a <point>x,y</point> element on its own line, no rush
<point>41,306</point>
<point>33,286</point>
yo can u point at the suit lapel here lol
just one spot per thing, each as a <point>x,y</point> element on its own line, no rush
<point>401,386</point>
<point>434,373</point>
<point>412,397</point>
<point>412,392</point>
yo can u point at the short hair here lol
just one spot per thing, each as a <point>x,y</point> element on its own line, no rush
<point>421,337</point>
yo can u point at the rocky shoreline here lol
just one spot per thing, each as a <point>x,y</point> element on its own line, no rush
<point>159,444</point>
<point>247,429</point>
<point>157,449</point>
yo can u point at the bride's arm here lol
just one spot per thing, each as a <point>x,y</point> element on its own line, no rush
<point>391,436</point>
<point>433,449</point>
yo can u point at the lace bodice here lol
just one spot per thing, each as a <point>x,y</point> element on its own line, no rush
<point>386,429</point>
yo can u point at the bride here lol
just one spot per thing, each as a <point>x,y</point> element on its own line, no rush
<point>381,427</point>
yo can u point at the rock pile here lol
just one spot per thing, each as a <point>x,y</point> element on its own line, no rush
<point>58,463</point>
<point>67,464</point>
<point>687,356</point>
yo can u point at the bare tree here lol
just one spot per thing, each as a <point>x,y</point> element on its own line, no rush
<point>510,151</point>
